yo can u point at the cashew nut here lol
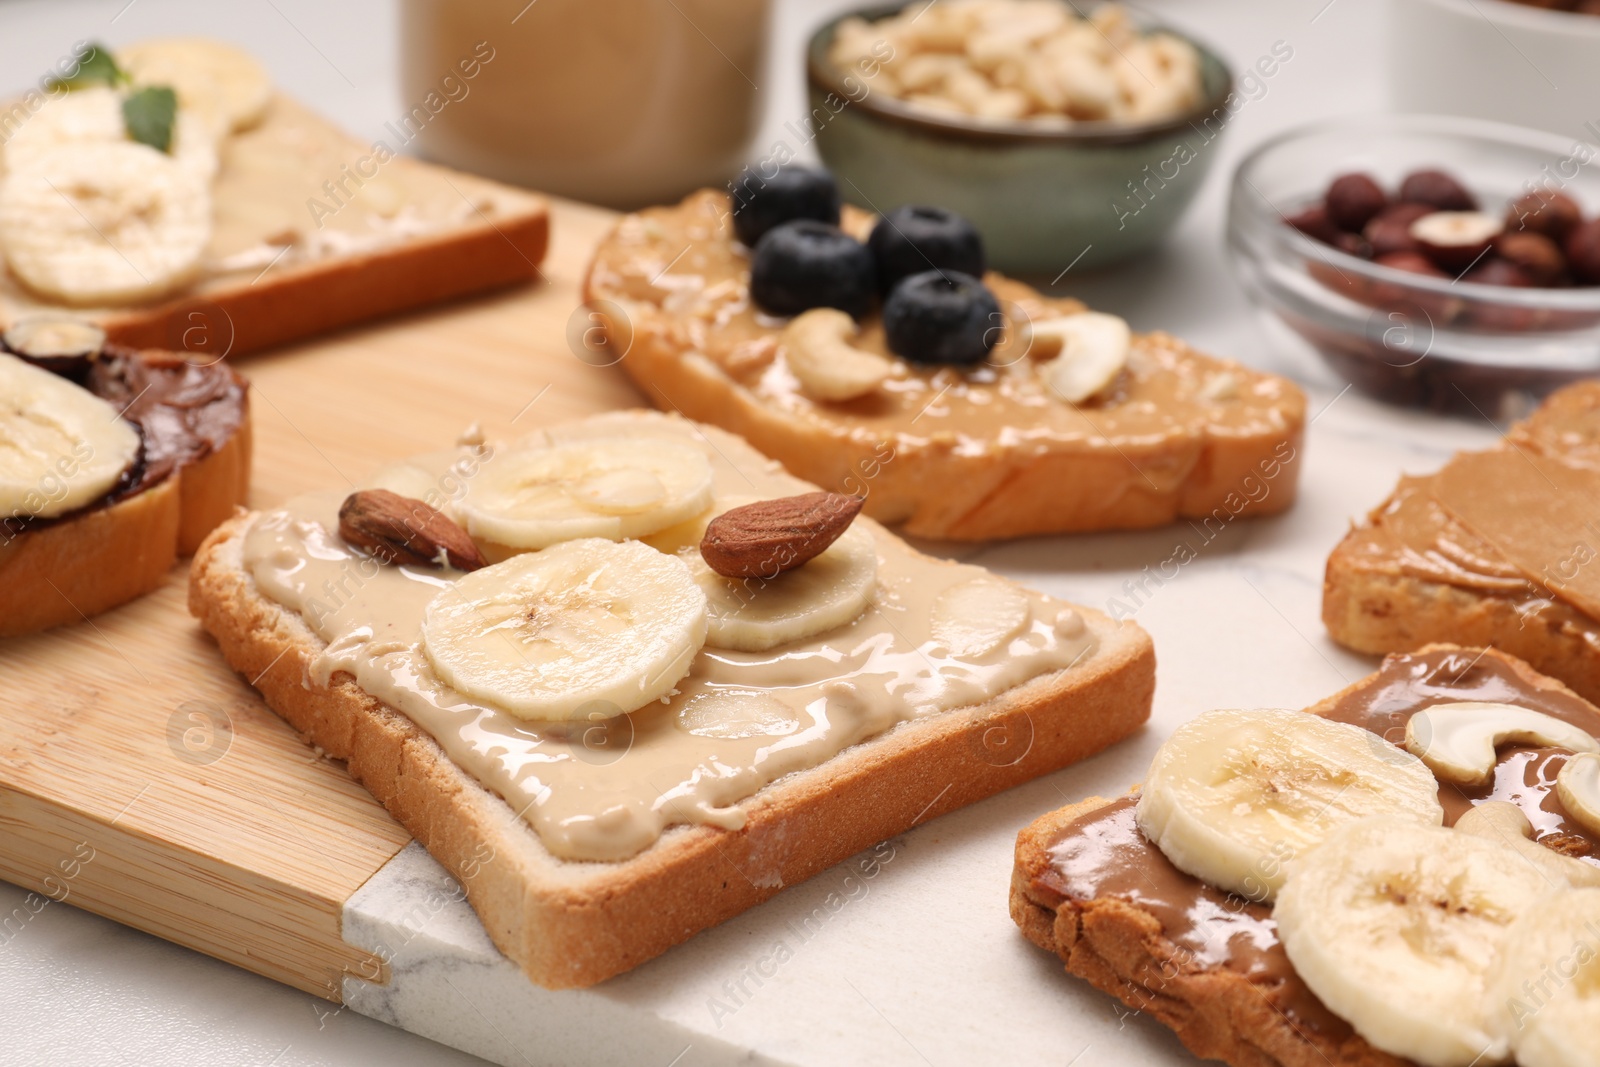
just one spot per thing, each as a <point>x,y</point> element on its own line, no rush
<point>1457,741</point>
<point>1504,822</point>
<point>817,347</point>
<point>1091,348</point>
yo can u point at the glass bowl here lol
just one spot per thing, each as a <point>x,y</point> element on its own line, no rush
<point>1436,343</point>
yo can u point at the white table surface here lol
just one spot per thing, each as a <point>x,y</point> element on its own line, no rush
<point>1237,627</point>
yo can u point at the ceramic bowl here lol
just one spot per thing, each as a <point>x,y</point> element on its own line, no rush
<point>1044,199</point>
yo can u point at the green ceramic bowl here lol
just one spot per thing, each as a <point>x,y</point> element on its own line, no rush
<point>1093,194</point>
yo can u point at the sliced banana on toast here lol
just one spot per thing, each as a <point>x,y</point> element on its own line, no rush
<point>537,496</point>
<point>1233,796</point>
<point>1398,928</point>
<point>61,447</point>
<point>584,629</point>
<point>104,223</point>
<point>209,77</point>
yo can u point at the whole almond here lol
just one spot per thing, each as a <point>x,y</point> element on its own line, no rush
<point>399,529</point>
<point>764,539</point>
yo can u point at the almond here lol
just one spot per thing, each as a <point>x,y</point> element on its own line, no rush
<point>398,529</point>
<point>764,539</point>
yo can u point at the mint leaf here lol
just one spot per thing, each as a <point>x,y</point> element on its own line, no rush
<point>95,68</point>
<point>149,113</point>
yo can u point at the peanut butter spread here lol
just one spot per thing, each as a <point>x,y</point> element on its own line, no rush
<point>1104,854</point>
<point>606,789</point>
<point>1519,521</point>
<point>679,270</point>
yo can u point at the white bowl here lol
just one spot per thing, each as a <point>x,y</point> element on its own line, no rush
<point>1492,59</point>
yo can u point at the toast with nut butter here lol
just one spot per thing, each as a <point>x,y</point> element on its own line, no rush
<point>113,464</point>
<point>1392,877</point>
<point>1497,548</point>
<point>648,674</point>
<point>878,357</point>
<point>167,192</point>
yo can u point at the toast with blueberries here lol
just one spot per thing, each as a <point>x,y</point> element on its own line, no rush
<point>879,357</point>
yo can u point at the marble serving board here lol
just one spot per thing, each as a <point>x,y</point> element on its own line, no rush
<point>141,780</point>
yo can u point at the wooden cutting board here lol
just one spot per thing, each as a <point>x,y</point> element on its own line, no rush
<point>141,779</point>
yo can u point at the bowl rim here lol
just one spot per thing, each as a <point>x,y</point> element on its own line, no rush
<point>821,74</point>
<point>1575,298</point>
<point>1523,16</point>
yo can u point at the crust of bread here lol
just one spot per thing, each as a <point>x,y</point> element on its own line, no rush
<point>75,569</point>
<point>1120,949</point>
<point>573,924</point>
<point>69,571</point>
<point>327,294</point>
<point>1371,606</point>
<point>933,488</point>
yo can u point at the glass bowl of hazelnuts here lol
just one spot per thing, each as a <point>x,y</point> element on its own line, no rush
<point>1432,261</point>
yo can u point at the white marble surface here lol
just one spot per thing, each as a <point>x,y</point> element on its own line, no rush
<point>921,964</point>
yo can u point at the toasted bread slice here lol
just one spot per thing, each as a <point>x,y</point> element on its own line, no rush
<point>69,569</point>
<point>315,230</point>
<point>1229,993</point>
<point>569,923</point>
<point>948,454</point>
<point>1381,594</point>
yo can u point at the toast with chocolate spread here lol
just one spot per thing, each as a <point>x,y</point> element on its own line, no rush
<point>992,448</point>
<point>771,724</point>
<point>1090,886</point>
<point>1497,549</point>
<point>89,527</point>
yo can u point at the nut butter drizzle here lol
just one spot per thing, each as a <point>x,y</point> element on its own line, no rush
<point>606,789</point>
<point>1103,854</point>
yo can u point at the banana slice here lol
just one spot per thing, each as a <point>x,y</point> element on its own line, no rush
<point>1545,995</point>
<point>1457,741</point>
<point>974,618</point>
<point>207,75</point>
<point>1232,796</point>
<point>1396,927</point>
<point>756,614</point>
<point>613,488</point>
<point>584,628</point>
<point>94,116</point>
<point>61,447</point>
<point>1578,787</point>
<point>111,223</point>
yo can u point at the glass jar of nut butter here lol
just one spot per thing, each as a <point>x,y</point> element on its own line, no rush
<point>617,102</point>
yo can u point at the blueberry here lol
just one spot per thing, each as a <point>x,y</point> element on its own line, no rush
<point>760,203</point>
<point>941,317</point>
<point>808,264</point>
<point>910,240</point>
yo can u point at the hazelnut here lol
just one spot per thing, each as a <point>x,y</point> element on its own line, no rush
<point>1353,244</point>
<point>1553,214</point>
<point>1390,229</point>
<point>1411,263</point>
<point>1455,240</point>
<point>1583,252</point>
<point>1353,199</point>
<point>1401,296</point>
<point>1496,271</point>
<point>1490,315</point>
<point>1437,189</point>
<point>1315,224</point>
<point>1535,254</point>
